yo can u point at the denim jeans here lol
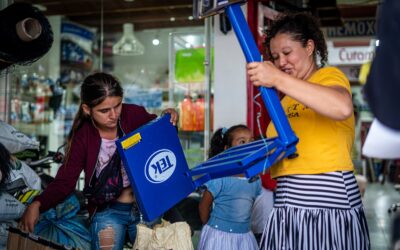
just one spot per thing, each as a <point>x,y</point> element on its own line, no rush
<point>122,217</point>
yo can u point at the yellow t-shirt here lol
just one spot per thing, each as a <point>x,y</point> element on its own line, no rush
<point>324,144</point>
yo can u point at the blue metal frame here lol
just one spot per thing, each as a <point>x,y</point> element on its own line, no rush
<point>269,95</point>
<point>269,151</point>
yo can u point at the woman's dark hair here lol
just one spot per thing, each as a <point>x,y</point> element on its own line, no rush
<point>301,27</point>
<point>223,138</point>
<point>5,165</point>
<point>94,90</point>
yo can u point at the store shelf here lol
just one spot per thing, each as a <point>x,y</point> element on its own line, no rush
<point>38,129</point>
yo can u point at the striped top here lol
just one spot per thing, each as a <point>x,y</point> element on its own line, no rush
<point>338,190</point>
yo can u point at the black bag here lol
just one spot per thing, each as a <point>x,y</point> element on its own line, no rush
<point>107,187</point>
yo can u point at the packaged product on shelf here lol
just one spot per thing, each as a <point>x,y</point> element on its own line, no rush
<point>148,98</point>
<point>199,110</point>
<point>15,111</point>
<point>187,114</point>
<point>39,105</point>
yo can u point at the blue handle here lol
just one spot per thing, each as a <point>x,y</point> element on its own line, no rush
<point>268,95</point>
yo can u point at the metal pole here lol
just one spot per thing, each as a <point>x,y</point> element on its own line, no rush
<point>171,70</point>
<point>101,35</point>
<point>5,82</point>
<point>207,86</point>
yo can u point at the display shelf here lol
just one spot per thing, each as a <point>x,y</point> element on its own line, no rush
<point>37,129</point>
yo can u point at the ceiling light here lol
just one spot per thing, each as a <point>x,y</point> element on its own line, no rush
<point>172,19</point>
<point>190,39</point>
<point>190,17</point>
<point>156,41</point>
<point>128,45</point>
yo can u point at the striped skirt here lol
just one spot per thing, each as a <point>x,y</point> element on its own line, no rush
<point>214,239</point>
<point>322,211</point>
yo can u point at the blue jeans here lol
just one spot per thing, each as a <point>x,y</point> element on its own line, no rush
<point>121,217</point>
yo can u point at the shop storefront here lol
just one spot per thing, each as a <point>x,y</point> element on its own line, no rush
<point>43,97</point>
<point>196,67</point>
<point>352,48</point>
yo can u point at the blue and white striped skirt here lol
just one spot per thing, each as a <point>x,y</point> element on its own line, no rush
<point>322,211</point>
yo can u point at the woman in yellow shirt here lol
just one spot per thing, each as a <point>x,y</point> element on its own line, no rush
<point>318,203</point>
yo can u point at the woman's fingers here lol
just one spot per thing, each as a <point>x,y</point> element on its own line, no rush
<point>174,115</point>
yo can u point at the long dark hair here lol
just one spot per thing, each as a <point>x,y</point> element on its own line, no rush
<point>5,165</point>
<point>223,138</point>
<point>301,27</point>
<point>94,90</point>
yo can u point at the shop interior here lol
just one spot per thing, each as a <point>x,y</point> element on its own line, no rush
<point>164,57</point>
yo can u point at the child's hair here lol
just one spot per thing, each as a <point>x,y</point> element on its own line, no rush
<point>94,90</point>
<point>222,138</point>
<point>5,165</point>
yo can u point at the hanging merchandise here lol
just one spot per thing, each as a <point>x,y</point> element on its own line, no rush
<point>199,113</point>
<point>187,114</point>
<point>189,65</point>
<point>26,34</point>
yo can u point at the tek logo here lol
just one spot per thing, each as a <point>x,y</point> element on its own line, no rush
<point>160,166</point>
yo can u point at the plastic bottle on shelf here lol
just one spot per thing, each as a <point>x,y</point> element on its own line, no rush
<point>39,104</point>
<point>187,112</point>
<point>25,112</point>
<point>199,111</point>
<point>15,111</point>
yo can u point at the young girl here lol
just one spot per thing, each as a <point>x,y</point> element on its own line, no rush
<point>91,147</point>
<point>226,205</point>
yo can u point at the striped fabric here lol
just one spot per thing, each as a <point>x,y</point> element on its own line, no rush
<point>214,239</point>
<point>28,196</point>
<point>321,211</point>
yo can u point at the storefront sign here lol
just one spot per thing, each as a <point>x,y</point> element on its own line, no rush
<point>350,55</point>
<point>353,28</point>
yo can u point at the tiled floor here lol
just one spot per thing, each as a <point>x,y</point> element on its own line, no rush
<point>377,199</point>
